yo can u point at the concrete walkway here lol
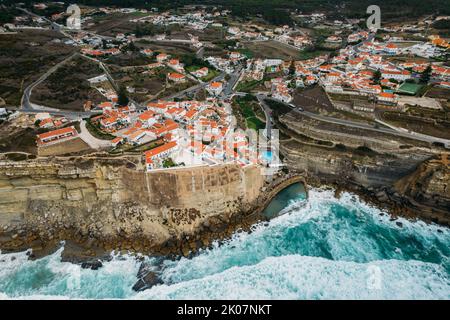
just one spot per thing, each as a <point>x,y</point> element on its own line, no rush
<point>92,141</point>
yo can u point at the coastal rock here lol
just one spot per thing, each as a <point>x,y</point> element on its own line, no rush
<point>382,196</point>
<point>146,282</point>
<point>93,265</point>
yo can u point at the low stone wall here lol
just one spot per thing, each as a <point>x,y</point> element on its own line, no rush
<point>276,188</point>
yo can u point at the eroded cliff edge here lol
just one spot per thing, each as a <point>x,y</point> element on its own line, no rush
<point>409,178</point>
<point>109,204</point>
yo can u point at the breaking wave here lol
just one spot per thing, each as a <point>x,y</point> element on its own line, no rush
<point>322,248</point>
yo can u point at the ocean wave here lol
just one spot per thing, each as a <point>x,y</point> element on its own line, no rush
<point>322,248</point>
<point>299,277</point>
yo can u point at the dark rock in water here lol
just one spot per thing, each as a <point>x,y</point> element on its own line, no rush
<point>147,275</point>
<point>382,196</point>
<point>439,231</point>
<point>93,265</point>
<point>399,224</point>
<point>149,280</point>
<point>143,270</point>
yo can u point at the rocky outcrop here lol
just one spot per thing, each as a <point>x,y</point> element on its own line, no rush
<point>102,203</point>
<point>428,186</point>
<point>344,167</point>
<point>393,172</point>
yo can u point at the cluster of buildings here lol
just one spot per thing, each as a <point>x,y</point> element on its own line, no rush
<point>352,71</point>
<point>45,121</point>
<point>188,132</point>
<point>227,65</point>
<point>282,34</point>
<point>357,36</point>
<point>26,22</point>
<point>296,74</point>
<point>195,20</point>
<point>280,90</point>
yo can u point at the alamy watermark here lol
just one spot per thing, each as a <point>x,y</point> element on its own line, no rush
<point>373,22</point>
<point>374,278</point>
<point>74,20</point>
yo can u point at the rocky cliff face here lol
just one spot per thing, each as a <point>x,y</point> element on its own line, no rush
<point>393,172</point>
<point>344,167</point>
<point>429,185</point>
<point>107,202</point>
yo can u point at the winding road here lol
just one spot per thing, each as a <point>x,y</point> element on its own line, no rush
<point>399,132</point>
<point>25,102</point>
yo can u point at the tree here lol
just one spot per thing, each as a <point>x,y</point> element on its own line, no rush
<point>122,96</point>
<point>377,76</point>
<point>292,68</point>
<point>425,76</point>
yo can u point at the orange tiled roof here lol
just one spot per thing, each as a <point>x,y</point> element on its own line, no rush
<point>57,132</point>
<point>153,152</point>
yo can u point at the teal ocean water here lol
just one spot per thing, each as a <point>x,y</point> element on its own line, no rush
<point>320,248</point>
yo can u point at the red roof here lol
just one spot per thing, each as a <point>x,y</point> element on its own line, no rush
<point>175,75</point>
<point>45,121</point>
<point>387,95</point>
<point>216,84</point>
<point>56,133</point>
<point>146,115</point>
<point>191,113</point>
<point>117,140</point>
<point>153,152</point>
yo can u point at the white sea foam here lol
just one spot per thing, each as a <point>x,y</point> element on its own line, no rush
<point>299,277</point>
<point>325,248</point>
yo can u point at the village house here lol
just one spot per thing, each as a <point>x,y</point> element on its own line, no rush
<point>200,73</point>
<point>391,48</point>
<point>56,136</point>
<point>152,156</point>
<point>399,75</point>
<point>176,65</point>
<point>387,98</point>
<point>116,141</point>
<point>334,39</point>
<point>147,52</point>
<point>215,88</point>
<point>148,118</point>
<point>162,57</point>
<point>176,77</point>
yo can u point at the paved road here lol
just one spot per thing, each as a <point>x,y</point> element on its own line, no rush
<point>200,53</point>
<point>192,89</point>
<point>398,132</point>
<point>55,26</point>
<point>234,77</point>
<point>74,115</point>
<point>268,114</point>
<point>25,102</point>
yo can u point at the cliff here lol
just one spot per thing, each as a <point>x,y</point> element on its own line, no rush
<point>112,205</point>
<point>393,172</point>
<point>429,185</point>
